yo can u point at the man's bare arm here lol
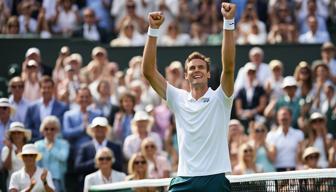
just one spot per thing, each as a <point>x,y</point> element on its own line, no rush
<point>148,65</point>
<point>228,51</point>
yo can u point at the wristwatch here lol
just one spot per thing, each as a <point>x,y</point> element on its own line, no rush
<point>45,182</point>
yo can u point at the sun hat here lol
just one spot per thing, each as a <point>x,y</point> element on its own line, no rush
<point>4,102</point>
<point>309,151</point>
<point>98,121</point>
<point>18,126</point>
<point>30,149</point>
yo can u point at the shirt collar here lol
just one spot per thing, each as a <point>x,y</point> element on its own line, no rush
<point>205,98</point>
<point>97,145</point>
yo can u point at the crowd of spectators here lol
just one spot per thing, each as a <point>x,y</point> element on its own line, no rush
<point>84,118</point>
<point>188,22</point>
<point>76,125</point>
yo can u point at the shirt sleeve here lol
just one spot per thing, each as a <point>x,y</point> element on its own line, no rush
<point>4,153</point>
<point>173,95</point>
<point>13,182</point>
<point>50,182</point>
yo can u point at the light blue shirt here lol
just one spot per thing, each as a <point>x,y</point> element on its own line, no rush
<point>20,109</point>
<point>55,159</point>
<point>46,110</point>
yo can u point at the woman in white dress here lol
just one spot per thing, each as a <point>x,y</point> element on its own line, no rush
<point>105,174</point>
<point>17,136</point>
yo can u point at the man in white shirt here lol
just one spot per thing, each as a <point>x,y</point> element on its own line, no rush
<point>313,35</point>
<point>263,72</point>
<point>202,115</point>
<point>286,140</point>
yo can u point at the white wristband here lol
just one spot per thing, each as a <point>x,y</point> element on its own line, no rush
<point>153,32</point>
<point>229,24</point>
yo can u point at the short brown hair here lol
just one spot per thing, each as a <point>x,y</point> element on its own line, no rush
<point>197,55</point>
<point>46,79</point>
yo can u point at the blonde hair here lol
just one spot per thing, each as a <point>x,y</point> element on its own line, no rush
<point>51,119</point>
<point>101,151</point>
<point>241,152</point>
<point>146,141</point>
<point>132,173</point>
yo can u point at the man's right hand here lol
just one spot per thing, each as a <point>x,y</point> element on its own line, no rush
<point>155,19</point>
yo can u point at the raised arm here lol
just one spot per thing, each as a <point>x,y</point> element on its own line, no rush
<point>148,65</point>
<point>228,48</point>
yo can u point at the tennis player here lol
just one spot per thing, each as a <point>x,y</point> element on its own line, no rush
<point>202,115</point>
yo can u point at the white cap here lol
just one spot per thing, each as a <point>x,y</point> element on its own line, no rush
<point>99,121</point>
<point>316,115</point>
<point>256,50</point>
<point>32,50</point>
<point>250,67</point>
<point>4,102</point>
<point>289,81</point>
<point>30,149</point>
<point>97,50</point>
<point>141,116</point>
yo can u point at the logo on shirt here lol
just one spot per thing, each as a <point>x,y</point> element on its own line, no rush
<point>205,100</point>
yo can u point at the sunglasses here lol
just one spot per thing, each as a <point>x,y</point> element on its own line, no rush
<point>31,67</point>
<point>260,131</point>
<point>50,129</point>
<point>17,86</point>
<point>104,158</point>
<point>150,146</point>
<point>4,108</point>
<point>140,162</point>
<point>315,157</point>
<point>248,151</point>
<point>29,155</point>
<point>317,120</point>
<point>15,132</point>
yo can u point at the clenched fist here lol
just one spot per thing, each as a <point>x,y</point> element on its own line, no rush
<point>228,10</point>
<point>155,19</point>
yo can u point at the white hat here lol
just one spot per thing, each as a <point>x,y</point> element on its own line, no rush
<point>18,126</point>
<point>309,151</point>
<point>97,50</point>
<point>32,50</point>
<point>175,65</point>
<point>29,149</point>
<point>142,116</point>
<point>316,115</point>
<point>4,102</point>
<point>98,121</point>
<point>250,67</point>
<point>275,63</point>
<point>289,81</point>
<point>256,50</point>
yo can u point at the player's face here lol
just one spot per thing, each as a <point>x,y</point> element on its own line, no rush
<point>197,72</point>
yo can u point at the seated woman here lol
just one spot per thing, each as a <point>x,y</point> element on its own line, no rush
<point>137,170</point>
<point>54,150</point>
<point>31,177</point>
<point>105,174</point>
<point>17,136</point>
<point>158,165</point>
<point>246,161</point>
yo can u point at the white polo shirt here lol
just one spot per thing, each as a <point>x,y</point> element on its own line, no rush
<point>97,178</point>
<point>202,131</point>
<point>20,180</point>
<point>286,146</point>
